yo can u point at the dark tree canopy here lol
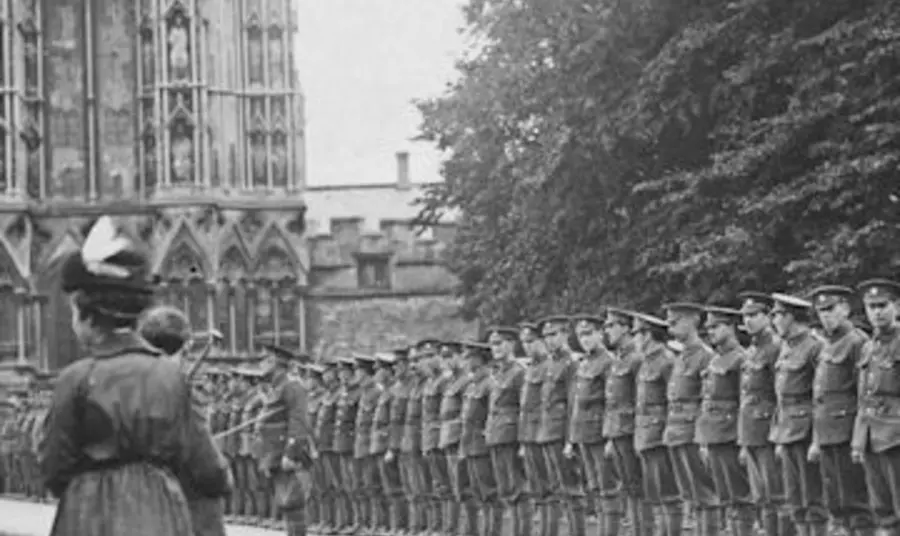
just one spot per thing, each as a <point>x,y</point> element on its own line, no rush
<point>633,152</point>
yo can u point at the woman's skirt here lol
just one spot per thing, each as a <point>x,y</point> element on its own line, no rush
<point>136,499</point>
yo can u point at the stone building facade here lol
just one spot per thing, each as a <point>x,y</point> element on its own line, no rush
<point>185,120</point>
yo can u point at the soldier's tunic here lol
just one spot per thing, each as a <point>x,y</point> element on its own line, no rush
<point>758,403</point>
<point>834,411</point>
<point>286,435</point>
<point>448,444</point>
<point>660,489</point>
<point>317,503</point>
<point>386,434</point>
<point>717,431</point>
<point>586,431</point>
<point>345,430</point>
<point>502,439</point>
<point>683,397</point>
<point>876,433</point>
<point>432,394</point>
<point>414,468</point>
<point>233,411</point>
<point>618,430</point>
<point>367,476</point>
<point>474,449</point>
<point>324,431</point>
<point>563,479</point>
<point>792,427</point>
<point>536,472</point>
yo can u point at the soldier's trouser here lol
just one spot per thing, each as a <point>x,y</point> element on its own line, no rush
<point>803,489</point>
<point>416,486</point>
<point>336,507</point>
<point>440,488</point>
<point>397,510</point>
<point>291,491</point>
<point>565,486</point>
<point>251,502</point>
<point>764,474</point>
<point>630,474</point>
<point>844,488</point>
<point>603,487</point>
<point>509,474</point>
<point>732,487</point>
<point>883,483</point>
<point>463,495</point>
<point>484,489</point>
<point>233,504</point>
<point>695,485</point>
<point>661,490</point>
<point>349,482</point>
<point>538,489</point>
<point>373,502</point>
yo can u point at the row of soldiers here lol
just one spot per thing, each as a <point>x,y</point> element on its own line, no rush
<point>654,418</point>
<point>22,413</point>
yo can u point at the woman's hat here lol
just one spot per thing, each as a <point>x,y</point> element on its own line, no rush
<point>108,261</point>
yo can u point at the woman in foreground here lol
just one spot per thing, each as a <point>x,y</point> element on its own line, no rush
<point>122,438</point>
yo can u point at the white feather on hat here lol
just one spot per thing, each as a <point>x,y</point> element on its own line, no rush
<point>102,242</point>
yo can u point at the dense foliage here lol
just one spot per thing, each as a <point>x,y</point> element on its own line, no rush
<point>636,151</point>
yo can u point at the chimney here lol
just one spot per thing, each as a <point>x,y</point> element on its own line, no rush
<point>403,181</point>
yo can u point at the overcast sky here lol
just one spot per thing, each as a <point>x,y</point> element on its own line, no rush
<point>361,62</point>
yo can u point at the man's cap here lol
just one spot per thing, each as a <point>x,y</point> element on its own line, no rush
<point>786,301</point>
<point>313,368</point>
<point>454,346</point>
<point>879,290</point>
<point>108,260</point>
<point>401,354</point>
<point>428,344</point>
<point>554,320</point>
<point>364,360</point>
<point>345,361</point>
<point>504,332</point>
<point>526,327</point>
<point>753,302</point>
<point>285,355</point>
<point>716,315</point>
<point>588,319</point>
<point>827,296</point>
<point>475,348</point>
<point>644,321</point>
<point>617,315</point>
<point>165,327</point>
<point>684,308</point>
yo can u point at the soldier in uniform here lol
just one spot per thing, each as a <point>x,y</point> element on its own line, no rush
<point>287,446</point>
<point>876,435</point>
<point>449,443</point>
<point>233,410</point>
<point>660,489</point>
<point>586,424</point>
<point>792,425</point>
<point>345,431</point>
<point>683,396</point>
<point>473,446</point>
<point>367,481</point>
<point>315,507</point>
<point>432,394</point>
<point>333,514</point>
<point>530,450</point>
<point>619,424</point>
<point>386,435</point>
<point>834,410</point>
<point>716,430</point>
<point>559,377</point>
<point>254,501</point>
<point>754,418</point>
<point>503,428</point>
<point>413,467</point>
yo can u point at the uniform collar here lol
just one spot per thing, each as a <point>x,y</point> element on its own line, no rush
<point>121,342</point>
<point>763,337</point>
<point>887,334</point>
<point>842,329</point>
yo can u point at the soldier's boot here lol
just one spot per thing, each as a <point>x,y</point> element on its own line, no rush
<point>610,517</point>
<point>438,517</point>
<point>641,514</point>
<point>741,522</point>
<point>485,528</point>
<point>868,531</point>
<point>768,520</point>
<point>383,517</point>
<point>418,521</point>
<point>470,522</point>
<point>493,520</point>
<point>450,514</point>
<point>673,518</point>
<point>575,514</point>
<point>403,519</point>
<point>818,529</point>
<point>786,525</point>
<point>554,515</point>
<point>522,516</point>
<point>295,521</point>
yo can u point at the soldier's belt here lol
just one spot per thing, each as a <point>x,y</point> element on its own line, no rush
<point>685,406</point>
<point>719,405</point>
<point>795,398</point>
<point>652,410</point>
<point>749,399</point>
<point>836,397</point>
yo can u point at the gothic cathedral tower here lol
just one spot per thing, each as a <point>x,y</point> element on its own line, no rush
<point>184,118</point>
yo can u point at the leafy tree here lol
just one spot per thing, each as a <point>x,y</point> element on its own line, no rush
<point>607,152</point>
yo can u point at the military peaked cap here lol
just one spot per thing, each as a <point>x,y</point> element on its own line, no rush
<point>684,307</point>
<point>755,302</point>
<point>505,332</point>
<point>716,315</point>
<point>786,301</point>
<point>587,318</point>
<point>557,320</point>
<point>879,289</point>
<point>644,321</point>
<point>828,295</point>
<point>479,349</point>
<point>615,315</point>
